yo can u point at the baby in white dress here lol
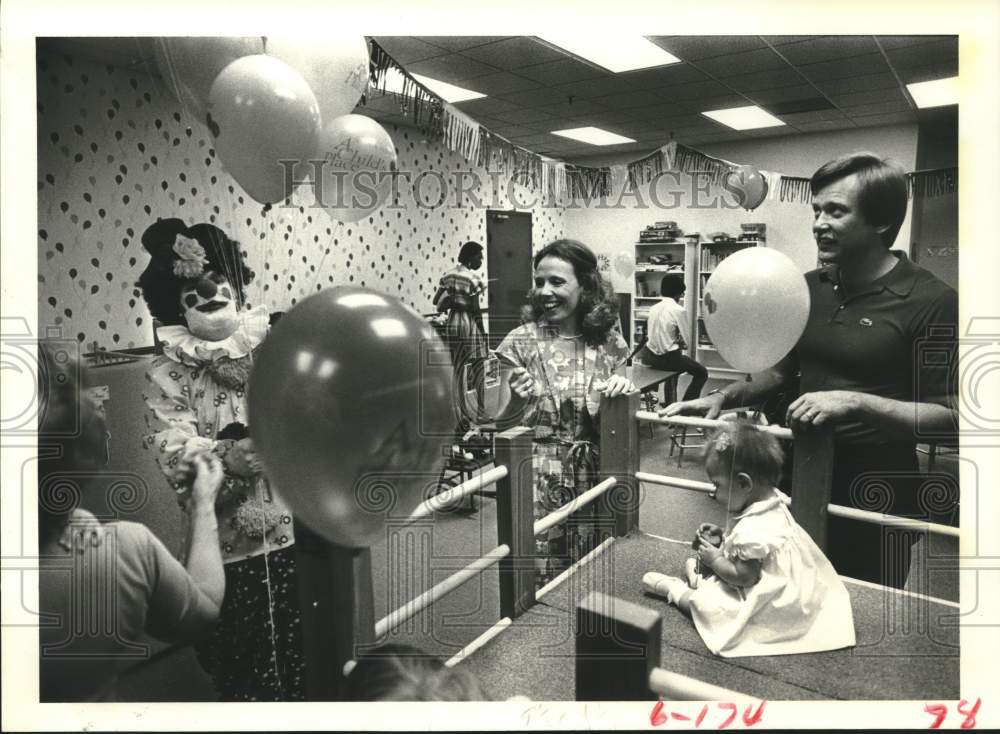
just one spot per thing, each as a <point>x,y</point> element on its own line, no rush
<point>772,591</point>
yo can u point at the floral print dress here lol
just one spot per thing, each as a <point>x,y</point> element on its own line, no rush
<point>194,390</point>
<point>569,378</point>
<point>464,336</point>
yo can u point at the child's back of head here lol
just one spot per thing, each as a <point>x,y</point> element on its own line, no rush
<point>738,447</point>
<point>394,672</point>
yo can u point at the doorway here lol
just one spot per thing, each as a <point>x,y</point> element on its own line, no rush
<point>508,262</point>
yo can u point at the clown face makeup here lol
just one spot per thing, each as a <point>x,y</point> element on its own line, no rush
<point>209,307</point>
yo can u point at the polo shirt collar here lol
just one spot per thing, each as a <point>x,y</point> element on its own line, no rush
<point>900,280</point>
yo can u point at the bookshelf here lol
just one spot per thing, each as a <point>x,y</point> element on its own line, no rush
<point>661,249</point>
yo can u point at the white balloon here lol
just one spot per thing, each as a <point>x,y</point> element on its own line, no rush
<point>755,308</point>
<point>262,112</point>
<point>357,156</point>
<point>336,67</point>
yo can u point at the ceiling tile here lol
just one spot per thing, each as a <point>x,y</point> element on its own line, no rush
<point>560,72</point>
<point>597,87</point>
<point>783,94</point>
<point>677,121</point>
<point>761,59</point>
<point>813,116</point>
<point>640,129</point>
<point>863,83</point>
<point>515,52</point>
<point>938,52</point>
<point>523,116</point>
<point>696,90</point>
<point>892,118</point>
<point>512,131</point>
<point>769,79</point>
<point>767,132</point>
<point>928,73</point>
<point>782,40</point>
<point>453,68</point>
<point>892,42</point>
<point>722,102</point>
<point>406,49</point>
<point>825,125</point>
<point>486,106</point>
<point>663,76</point>
<point>842,68</point>
<point>501,82</point>
<point>531,97</point>
<point>577,108</point>
<point>828,48</point>
<point>877,108</point>
<point>703,47</point>
<point>459,43</point>
<point>716,137</point>
<point>657,112</point>
<point>614,117</point>
<point>856,99</point>
<point>624,100</point>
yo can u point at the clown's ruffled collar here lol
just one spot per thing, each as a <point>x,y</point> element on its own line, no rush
<point>180,345</point>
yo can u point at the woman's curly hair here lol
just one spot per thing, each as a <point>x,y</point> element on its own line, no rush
<point>598,306</point>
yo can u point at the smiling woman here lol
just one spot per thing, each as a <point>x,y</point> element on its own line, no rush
<point>567,354</point>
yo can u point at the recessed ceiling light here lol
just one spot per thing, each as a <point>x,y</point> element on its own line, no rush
<point>935,93</point>
<point>448,92</point>
<point>744,118</point>
<point>615,53</point>
<point>592,135</point>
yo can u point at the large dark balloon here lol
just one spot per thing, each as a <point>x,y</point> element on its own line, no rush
<point>350,406</point>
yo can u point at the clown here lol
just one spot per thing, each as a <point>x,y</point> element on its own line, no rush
<point>196,396</point>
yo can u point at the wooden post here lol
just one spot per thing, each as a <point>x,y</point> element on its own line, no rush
<point>617,647</point>
<point>516,521</point>
<point>620,459</point>
<point>338,609</point>
<point>812,480</point>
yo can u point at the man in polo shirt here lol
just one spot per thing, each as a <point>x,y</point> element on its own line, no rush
<point>873,316</point>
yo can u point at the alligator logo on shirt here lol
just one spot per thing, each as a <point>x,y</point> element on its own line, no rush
<point>865,321</point>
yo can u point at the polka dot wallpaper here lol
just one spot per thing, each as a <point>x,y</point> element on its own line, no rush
<point>116,152</point>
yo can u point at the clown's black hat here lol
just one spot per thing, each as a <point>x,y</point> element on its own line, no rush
<point>180,254</point>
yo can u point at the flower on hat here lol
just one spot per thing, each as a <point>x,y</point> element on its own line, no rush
<point>723,441</point>
<point>191,260</point>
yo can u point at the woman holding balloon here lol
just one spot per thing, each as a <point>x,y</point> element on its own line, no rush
<point>567,354</point>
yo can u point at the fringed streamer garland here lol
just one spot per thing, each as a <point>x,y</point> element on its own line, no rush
<point>932,182</point>
<point>794,188</point>
<point>461,134</point>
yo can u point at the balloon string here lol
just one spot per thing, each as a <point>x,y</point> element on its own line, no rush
<point>270,596</point>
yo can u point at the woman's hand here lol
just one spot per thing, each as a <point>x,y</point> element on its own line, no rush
<point>522,383</point>
<point>208,479</point>
<point>618,385</point>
